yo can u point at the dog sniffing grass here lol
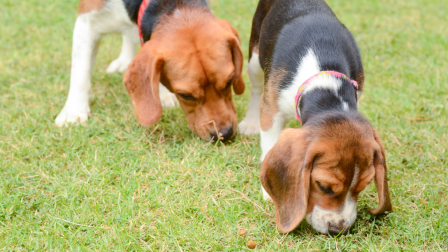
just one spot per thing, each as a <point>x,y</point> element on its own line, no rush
<point>113,185</point>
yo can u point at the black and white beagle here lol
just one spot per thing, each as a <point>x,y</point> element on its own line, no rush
<point>304,63</point>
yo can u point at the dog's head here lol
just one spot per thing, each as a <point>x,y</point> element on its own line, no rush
<point>198,58</point>
<point>319,170</point>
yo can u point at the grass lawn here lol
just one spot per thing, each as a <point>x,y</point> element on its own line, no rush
<point>113,185</point>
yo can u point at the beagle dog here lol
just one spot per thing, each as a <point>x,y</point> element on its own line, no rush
<point>304,63</point>
<point>194,56</point>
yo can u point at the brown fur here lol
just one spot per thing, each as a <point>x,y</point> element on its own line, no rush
<point>384,203</point>
<point>145,69</point>
<point>256,50</point>
<point>198,55</point>
<point>325,154</point>
<point>269,99</point>
<point>90,5</point>
<point>360,80</point>
<point>288,187</point>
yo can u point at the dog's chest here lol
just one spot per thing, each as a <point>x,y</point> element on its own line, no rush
<point>308,66</point>
<point>322,94</point>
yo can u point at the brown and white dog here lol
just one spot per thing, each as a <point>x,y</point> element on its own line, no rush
<point>311,69</point>
<point>194,55</point>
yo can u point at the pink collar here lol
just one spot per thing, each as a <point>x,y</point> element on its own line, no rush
<point>316,76</point>
<point>141,11</point>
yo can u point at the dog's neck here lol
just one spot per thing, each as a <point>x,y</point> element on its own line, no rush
<point>156,9</point>
<point>327,95</point>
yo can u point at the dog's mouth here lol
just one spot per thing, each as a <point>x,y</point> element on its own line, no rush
<point>223,137</point>
<point>330,228</point>
<point>334,230</point>
<point>209,132</point>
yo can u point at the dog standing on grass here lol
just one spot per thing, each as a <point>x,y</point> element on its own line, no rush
<point>194,55</point>
<point>305,64</point>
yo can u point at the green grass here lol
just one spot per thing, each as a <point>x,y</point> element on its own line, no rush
<point>113,185</point>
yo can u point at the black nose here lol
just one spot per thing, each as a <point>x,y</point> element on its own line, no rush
<point>335,230</point>
<point>224,135</point>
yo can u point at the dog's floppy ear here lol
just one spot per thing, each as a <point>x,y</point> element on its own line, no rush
<point>142,83</point>
<point>237,56</point>
<point>286,174</point>
<point>381,179</point>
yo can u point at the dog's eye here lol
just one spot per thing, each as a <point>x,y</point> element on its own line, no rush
<point>324,189</point>
<point>186,97</point>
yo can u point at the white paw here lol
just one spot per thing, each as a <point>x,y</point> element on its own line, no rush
<point>73,114</point>
<point>265,194</point>
<point>249,126</point>
<point>168,99</point>
<point>118,65</point>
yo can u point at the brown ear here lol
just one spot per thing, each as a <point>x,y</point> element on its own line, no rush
<point>285,175</point>
<point>142,83</point>
<point>381,179</point>
<point>237,55</point>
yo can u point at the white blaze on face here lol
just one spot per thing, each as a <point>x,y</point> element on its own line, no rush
<point>321,218</point>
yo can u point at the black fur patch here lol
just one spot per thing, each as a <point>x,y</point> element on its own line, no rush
<point>287,30</point>
<point>132,7</point>
<point>155,10</point>
<point>320,100</point>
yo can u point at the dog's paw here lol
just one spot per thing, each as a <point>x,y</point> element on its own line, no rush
<point>266,196</point>
<point>168,99</point>
<point>118,65</point>
<point>249,126</point>
<point>73,114</point>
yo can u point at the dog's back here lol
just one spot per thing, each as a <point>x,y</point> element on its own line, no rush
<point>155,10</point>
<point>291,28</point>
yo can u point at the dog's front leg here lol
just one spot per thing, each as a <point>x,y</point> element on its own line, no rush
<point>128,48</point>
<point>85,47</point>
<point>167,98</point>
<point>251,123</point>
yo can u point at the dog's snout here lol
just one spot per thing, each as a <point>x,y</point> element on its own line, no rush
<point>334,230</point>
<point>337,228</point>
<point>227,134</point>
<point>224,134</point>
